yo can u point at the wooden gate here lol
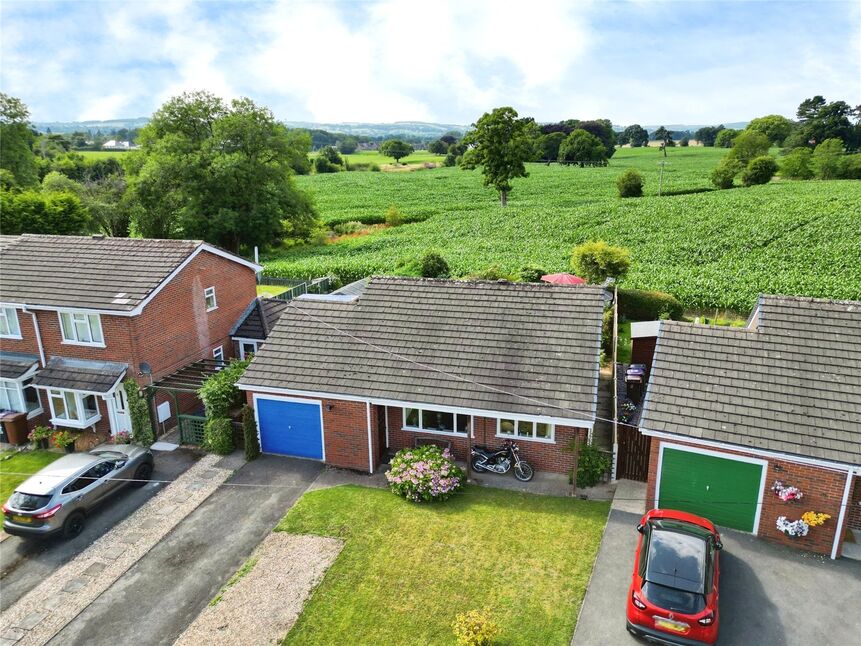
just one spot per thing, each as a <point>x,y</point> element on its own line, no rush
<point>634,449</point>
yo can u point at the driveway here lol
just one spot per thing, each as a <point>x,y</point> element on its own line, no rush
<point>25,563</point>
<point>162,593</point>
<point>770,594</point>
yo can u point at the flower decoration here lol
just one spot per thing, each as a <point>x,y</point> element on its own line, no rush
<point>786,494</point>
<point>794,528</point>
<point>814,519</point>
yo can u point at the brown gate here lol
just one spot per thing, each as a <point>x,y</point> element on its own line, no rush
<point>633,459</point>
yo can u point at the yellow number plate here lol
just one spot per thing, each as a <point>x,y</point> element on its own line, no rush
<point>666,624</point>
<point>21,519</point>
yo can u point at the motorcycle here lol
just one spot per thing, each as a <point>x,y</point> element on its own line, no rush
<point>500,461</point>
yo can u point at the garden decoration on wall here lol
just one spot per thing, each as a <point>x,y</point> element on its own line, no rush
<point>786,494</point>
<point>801,527</point>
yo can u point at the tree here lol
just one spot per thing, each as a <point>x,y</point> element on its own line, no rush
<point>773,126</point>
<point>707,135</point>
<point>111,207</point>
<point>723,175</point>
<point>581,147</point>
<point>664,136</point>
<point>396,149</point>
<point>826,158</point>
<point>249,432</point>
<point>603,129</point>
<point>725,137</point>
<point>748,145</point>
<point>797,164</point>
<point>55,182</point>
<point>438,147</point>
<point>636,135</point>
<point>220,172</point>
<point>820,120</point>
<point>348,145</point>
<point>548,146</point>
<point>596,261</point>
<point>759,170</point>
<point>499,143</point>
<point>16,151</point>
<point>50,213</point>
<point>298,142</point>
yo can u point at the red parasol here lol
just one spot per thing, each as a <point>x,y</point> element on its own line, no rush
<point>563,279</point>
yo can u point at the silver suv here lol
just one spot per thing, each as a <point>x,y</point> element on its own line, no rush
<point>57,498</point>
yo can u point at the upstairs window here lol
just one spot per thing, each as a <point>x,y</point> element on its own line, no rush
<point>9,328</point>
<point>209,297</point>
<point>79,327</point>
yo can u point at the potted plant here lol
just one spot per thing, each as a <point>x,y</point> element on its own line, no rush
<point>65,440</point>
<point>122,437</point>
<point>40,436</point>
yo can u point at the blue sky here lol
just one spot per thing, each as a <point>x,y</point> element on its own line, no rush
<point>642,61</point>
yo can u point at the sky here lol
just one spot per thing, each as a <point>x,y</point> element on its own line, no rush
<point>444,61</point>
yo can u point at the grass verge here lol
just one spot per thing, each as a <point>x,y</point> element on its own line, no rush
<point>19,467</point>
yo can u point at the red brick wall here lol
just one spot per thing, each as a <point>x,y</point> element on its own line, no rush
<point>854,512</point>
<point>822,489</point>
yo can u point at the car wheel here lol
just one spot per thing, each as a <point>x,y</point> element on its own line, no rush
<point>142,474</point>
<point>74,525</point>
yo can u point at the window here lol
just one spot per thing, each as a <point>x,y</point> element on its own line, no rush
<point>247,348</point>
<point>9,328</point>
<point>218,354</point>
<point>19,396</point>
<point>89,476</point>
<point>209,297</point>
<point>433,421</point>
<point>526,429</point>
<point>70,408</point>
<point>79,327</point>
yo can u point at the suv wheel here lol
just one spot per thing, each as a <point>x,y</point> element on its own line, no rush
<point>142,474</point>
<point>74,525</point>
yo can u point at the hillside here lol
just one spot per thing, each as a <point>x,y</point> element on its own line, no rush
<point>709,248</point>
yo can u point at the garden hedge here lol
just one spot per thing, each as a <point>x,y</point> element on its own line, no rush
<point>642,305</point>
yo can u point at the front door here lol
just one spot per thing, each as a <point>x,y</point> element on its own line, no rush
<point>122,417</point>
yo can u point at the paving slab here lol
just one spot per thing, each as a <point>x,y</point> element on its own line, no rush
<point>31,621</point>
<point>94,569</point>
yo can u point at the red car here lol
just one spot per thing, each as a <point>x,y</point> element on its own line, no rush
<point>673,597</point>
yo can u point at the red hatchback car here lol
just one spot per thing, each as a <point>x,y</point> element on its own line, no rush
<point>674,590</point>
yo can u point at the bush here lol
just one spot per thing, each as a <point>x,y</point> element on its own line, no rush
<point>596,261</point>
<point>353,226</point>
<point>219,392</point>
<point>749,145</point>
<point>142,432</point>
<point>630,183</point>
<point>532,274</point>
<point>592,464</point>
<point>474,628</point>
<point>798,164</point>
<point>607,333</point>
<point>218,435</point>
<point>433,265</point>
<point>850,167</point>
<point>424,474</point>
<point>724,173</point>
<point>759,171</point>
<point>249,433</point>
<point>394,218</point>
<point>450,160</point>
<point>641,305</point>
<point>827,157</point>
<point>685,142</point>
<point>374,168</point>
<point>323,165</point>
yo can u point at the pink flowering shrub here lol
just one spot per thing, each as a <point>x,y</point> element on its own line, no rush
<point>424,474</point>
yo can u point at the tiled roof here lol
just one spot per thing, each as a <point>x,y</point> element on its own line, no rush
<point>89,272</point>
<point>355,288</point>
<point>80,374</point>
<point>259,319</point>
<point>791,384</point>
<point>539,341</point>
<point>15,364</point>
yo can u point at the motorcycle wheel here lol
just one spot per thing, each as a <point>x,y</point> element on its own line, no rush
<point>523,472</point>
<point>476,466</point>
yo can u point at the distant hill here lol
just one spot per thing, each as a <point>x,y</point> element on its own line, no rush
<point>106,126</point>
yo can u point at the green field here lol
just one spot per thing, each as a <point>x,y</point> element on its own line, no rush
<point>374,157</point>
<point>708,248</point>
<point>101,154</point>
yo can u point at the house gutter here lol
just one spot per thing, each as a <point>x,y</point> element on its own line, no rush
<point>38,334</point>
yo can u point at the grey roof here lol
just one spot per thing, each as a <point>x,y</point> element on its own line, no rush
<point>538,341</point>
<point>259,318</point>
<point>15,364</point>
<point>790,383</point>
<point>355,288</point>
<point>102,273</point>
<point>80,374</point>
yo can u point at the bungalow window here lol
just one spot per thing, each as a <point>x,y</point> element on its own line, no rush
<point>247,349</point>
<point>526,429</point>
<point>9,328</point>
<point>69,408</point>
<point>434,421</point>
<point>209,297</point>
<point>19,396</point>
<point>218,354</point>
<point>82,328</point>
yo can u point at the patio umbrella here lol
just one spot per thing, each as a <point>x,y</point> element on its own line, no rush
<point>563,279</point>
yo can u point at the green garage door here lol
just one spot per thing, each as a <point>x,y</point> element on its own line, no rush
<point>723,490</point>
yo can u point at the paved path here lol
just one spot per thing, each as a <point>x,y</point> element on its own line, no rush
<point>160,596</point>
<point>24,563</point>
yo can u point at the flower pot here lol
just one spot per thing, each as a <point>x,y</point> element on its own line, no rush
<point>42,443</point>
<point>70,448</point>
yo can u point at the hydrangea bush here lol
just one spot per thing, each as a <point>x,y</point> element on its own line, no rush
<point>424,474</point>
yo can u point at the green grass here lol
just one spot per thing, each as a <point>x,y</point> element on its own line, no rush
<point>27,462</point>
<point>711,249</point>
<point>271,290</point>
<point>624,349</point>
<point>101,154</point>
<point>232,581</point>
<point>406,570</point>
<point>374,157</point>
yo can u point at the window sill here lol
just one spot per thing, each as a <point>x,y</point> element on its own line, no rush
<point>68,423</point>
<point>211,309</point>
<point>517,438</point>
<point>82,343</point>
<point>12,337</point>
<point>424,430</point>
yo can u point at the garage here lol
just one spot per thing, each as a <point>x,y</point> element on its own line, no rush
<point>718,486</point>
<point>290,427</point>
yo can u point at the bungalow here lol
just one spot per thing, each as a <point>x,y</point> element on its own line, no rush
<point>349,378</point>
<point>744,420</point>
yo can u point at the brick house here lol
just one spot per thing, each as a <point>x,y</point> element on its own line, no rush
<point>78,315</point>
<point>732,411</point>
<point>351,378</point>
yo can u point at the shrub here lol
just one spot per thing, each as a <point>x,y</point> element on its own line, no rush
<point>249,433</point>
<point>749,145</point>
<point>474,628</point>
<point>218,435</point>
<point>532,274</point>
<point>323,165</point>
<point>724,173</point>
<point>219,392</point>
<point>394,217</point>
<point>374,168</point>
<point>142,432</point>
<point>596,261</point>
<point>642,305</point>
<point>684,142</point>
<point>433,265</point>
<point>798,164</point>
<point>592,462</point>
<point>850,167</point>
<point>353,226</point>
<point>122,437</point>
<point>62,439</point>
<point>827,157</point>
<point>424,474</point>
<point>450,160</point>
<point>760,170</point>
<point>630,183</point>
<point>607,333</point>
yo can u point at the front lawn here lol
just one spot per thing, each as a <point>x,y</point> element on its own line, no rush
<point>27,463</point>
<point>406,569</point>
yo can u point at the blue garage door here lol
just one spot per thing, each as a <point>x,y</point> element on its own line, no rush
<point>290,428</point>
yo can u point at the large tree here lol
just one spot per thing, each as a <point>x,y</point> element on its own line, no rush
<point>581,147</point>
<point>603,130</point>
<point>664,136</point>
<point>16,141</point>
<point>499,142</point>
<point>748,145</point>
<point>220,172</point>
<point>773,126</point>
<point>396,149</point>
<point>707,134</point>
<point>820,120</point>
<point>635,135</point>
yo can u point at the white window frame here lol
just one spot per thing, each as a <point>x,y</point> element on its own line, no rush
<point>20,387</point>
<point>79,397</point>
<point>9,315</point>
<point>74,319</point>
<point>208,293</point>
<point>243,342</point>
<point>218,353</point>
<point>421,429</point>
<point>528,438</point>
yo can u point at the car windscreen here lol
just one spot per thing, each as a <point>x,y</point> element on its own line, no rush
<point>677,560</point>
<point>28,501</point>
<point>688,603</point>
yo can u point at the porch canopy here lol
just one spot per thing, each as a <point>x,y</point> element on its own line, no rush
<point>82,375</point>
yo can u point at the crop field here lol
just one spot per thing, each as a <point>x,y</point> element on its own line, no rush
<point>374,157</point>
<point>709,248</point>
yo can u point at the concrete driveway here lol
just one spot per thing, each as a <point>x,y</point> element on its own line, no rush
<point>770,594</point>
<point>159,596</point>
<point>24,563</point>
